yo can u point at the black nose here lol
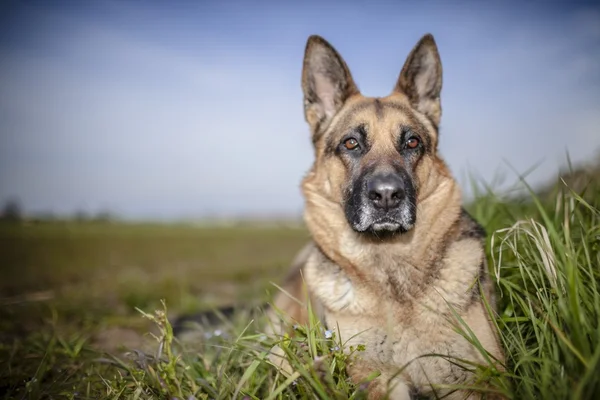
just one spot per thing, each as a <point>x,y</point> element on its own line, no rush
<point>385,191</point>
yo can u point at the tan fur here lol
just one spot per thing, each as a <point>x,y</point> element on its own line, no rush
<point>394,295</point>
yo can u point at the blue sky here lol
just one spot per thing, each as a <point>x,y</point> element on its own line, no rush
<point>184,109</point>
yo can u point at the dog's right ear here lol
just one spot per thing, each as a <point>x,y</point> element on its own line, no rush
<point>326,83</point>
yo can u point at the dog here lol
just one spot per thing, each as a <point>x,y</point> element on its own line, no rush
<point>395,261</point>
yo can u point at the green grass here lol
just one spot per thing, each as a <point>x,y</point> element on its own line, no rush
<point>545,253</point>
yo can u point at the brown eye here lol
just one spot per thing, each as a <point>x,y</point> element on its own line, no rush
<point>351,143</point>
<point>412,143</point>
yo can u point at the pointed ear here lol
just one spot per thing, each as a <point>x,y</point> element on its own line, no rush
<point>326,83</point>
<point>421,79</point>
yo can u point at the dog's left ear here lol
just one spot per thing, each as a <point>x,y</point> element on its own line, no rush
<point>421,79</point>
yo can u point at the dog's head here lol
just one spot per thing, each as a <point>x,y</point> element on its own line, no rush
<point>375,157</point>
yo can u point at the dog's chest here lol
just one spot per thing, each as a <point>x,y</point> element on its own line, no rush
<point>401,291</point>
<point>408,288</point>
<point>397,315</point>
<point>391,342</point>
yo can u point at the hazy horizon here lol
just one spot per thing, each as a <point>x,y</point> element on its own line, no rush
<point>188,109</point>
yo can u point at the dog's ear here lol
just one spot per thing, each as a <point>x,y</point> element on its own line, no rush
<point>326,83</point>
<point>421,79</point>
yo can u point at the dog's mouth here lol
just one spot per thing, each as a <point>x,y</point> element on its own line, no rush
<point>369,223</point>
<point>386,225</point>
<point>369,220</point>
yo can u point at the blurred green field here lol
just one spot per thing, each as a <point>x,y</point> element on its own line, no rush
<point>95,274</point>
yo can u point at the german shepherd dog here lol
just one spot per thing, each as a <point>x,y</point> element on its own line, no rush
<point>395,261</point>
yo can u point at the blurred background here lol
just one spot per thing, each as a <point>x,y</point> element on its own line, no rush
<point>186,110</point>
<point>136,135</point>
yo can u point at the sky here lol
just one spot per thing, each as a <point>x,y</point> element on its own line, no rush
<point>161,110</point>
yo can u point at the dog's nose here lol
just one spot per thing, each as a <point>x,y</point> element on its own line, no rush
<point>385,191</point>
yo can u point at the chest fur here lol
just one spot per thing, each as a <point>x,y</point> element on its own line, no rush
<point>401,311</point>
<point>400,289</point>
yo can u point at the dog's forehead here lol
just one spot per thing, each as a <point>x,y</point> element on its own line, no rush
<point>383,116</point>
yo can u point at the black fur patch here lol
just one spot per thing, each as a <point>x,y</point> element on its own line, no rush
<point>470,228</point>
<point>208,318</point>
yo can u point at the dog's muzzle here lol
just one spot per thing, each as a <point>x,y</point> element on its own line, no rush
<point>382,202</point>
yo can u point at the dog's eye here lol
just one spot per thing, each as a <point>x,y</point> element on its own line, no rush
<point>351,143</point>
<point>412,143</point>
